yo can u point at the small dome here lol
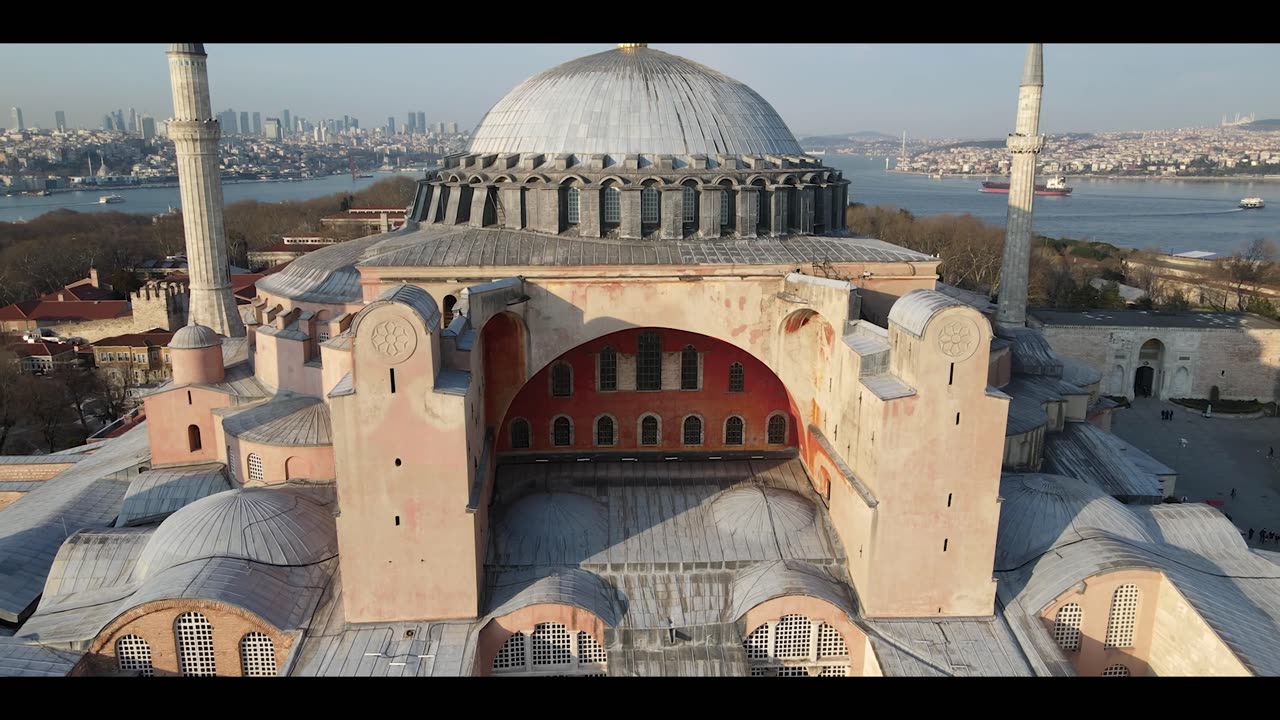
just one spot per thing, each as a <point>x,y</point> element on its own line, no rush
<point>556,528</point>
<point>1042,511</point>
<point>265,525</point>
<point>758,510</point>
<point>194,337</point>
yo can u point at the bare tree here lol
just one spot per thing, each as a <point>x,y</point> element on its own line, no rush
<point>45,405</point>
<point>80,386</point>
<point>1248,269</point>
<point>10,398</point>
<point>112,390</point>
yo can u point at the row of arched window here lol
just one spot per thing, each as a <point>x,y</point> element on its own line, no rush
<point>193,634</point>
<point>551,649</point>
<point>650,431</point>
<point>650,206</point>
<point>1122,624</point>
<point>648,369</point>
<point>796,646</point>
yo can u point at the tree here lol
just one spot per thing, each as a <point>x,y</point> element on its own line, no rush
<point>80,386</point>
<point>10,398</point>
<point>1110,296</point>
<point>1175,302</point>
<point>112,391</point>
<point>45,405</point>
<point>1249,268</point>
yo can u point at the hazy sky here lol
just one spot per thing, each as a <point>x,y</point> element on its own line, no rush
<point>926,90</point>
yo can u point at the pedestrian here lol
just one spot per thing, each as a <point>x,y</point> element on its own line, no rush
<point>1271,452</point>
<point>1250,533</point>
<point>1233,493</point>
<point>1262,535</point>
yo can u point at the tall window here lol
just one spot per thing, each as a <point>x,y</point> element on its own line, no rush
<point>255,467</point>
<point>193,437</point>
<point>561,432</point>
<point>608,369</point>
<point>561,380</point>
<point>693,430</point>
<point>257,655</point>
<point>649,212</point>
<point>133,655</point>
<point>604,430</point>
<point>649,362</point>
<point>762,197</point>
<point>572,205</point>
<point>612,205</point>
<point>777,429</point>
<point>195,645</point>
<point>818,194</point>
<point>737,379</point>
<point>690,197</point>
<point>649,430</point>
<point>1066,627</point>
<point>1123,618</point>
<point>800,648</point>
<point>520,434</point>
<point>733,431</point>
<point>689,368</point>
<point>551,649</point>
<point>726,207</point>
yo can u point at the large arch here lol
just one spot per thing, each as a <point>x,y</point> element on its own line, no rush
<point>504,346</point>
<point>713,401</point>
<point>804,350</point>
<point>1148,377</point>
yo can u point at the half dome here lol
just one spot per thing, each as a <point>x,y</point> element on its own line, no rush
<point>268,526</point>
<point>633,100</point>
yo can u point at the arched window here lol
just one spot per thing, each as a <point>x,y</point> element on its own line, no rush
<point>1123,618</point>
<point>551,649</point>
<point>733,431</point>
<point>800,648</point>
<point>608,370</point>
<point>649,430</point>
<point>650,212</point>
<point>1116,670</point>
<point>520,434</point>
<point>693,430</point>
<point>649,362</point>
<point>604,430</point>
<point>133,655</point>
<point>562,432</point>
<point>737,378</point>
<point>257,655</point>
<point>195,645</point>
<point>612,205</point>
<point>689,368</point>
<point>449,303</point>
<point>777,429</point>
<point>726,207</point>
<point>1066,627</point>
<point>561,380</point>
<point>193,437</point>
<point>255,467</point>
<point>762,198</point>
<point>690,205</point>
<point>819,194</point>
<point>572,197</point>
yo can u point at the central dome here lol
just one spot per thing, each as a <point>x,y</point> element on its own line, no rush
<point>633,100</point>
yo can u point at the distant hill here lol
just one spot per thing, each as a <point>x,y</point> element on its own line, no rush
<point>972,143</point>
<point>844,138</point>
<point>1269,124</point>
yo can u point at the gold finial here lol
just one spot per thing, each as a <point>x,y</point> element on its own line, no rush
<point>624,46</point>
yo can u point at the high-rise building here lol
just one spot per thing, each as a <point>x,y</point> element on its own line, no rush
<point>107,123</point>
<point>121,125</point>
<point>453,128</point>
<point>391,126</point>
<point>286,126</point>
<point>412,123</point>
<point>60,120</point>
<point>257,124</point>
<point>440,128</point>
<point>17,120</point>
<point>147,126</point>
<point>244,122</point>
<point>133,121</point>
<point>272,129</point>
<point>200,185</point>
<point>422,122</point>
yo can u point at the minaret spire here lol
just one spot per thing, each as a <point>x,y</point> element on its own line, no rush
<point>195,135</point>
<point>1024,144</point>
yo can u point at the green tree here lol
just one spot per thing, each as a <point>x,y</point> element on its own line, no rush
<point>1110,297</point>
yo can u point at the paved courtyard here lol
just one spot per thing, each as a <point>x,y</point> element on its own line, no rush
<point>1221,454</point>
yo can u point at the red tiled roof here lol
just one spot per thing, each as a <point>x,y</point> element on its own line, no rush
<point>73,310</point>
<point>39,348</point>
<point>72,293</point>
<point>152,338</point>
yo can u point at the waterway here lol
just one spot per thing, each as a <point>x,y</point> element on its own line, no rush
<point>1171,215</point>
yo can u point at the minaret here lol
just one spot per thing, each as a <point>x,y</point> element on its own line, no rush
<point>1025,144</point>
<point>195,134</point>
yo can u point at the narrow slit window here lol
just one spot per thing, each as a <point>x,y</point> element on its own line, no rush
<point>952,376</point>
<point>393,380</point>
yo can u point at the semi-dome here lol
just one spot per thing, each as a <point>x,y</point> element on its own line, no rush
<point>633,100</point>
<point>264,525</point>
<point>194,337</point>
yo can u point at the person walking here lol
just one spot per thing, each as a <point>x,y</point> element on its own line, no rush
<point>1262,535</point>
<point>1233,493</point>
<point>1251,534</point>
<point>1271,452</point>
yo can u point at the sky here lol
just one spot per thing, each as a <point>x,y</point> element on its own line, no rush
<point>933,91</point>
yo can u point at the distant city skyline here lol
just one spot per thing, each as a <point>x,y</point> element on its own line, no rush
<point>926,90</point>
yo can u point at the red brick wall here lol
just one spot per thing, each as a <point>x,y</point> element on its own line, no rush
<point>764,394</point>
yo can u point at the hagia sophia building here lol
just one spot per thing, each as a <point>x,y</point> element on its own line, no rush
<point>624,397</point>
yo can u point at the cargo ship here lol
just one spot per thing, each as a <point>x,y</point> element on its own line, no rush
<point>1054,186</point>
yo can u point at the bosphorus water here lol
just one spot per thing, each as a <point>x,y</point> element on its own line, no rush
<point>1174,216</point>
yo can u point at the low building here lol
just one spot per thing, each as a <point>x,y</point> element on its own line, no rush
<point>141,357</point>
<point>43,356</point>
<point>370,218</point>
<point>91,310</point>
<point>289,248</point>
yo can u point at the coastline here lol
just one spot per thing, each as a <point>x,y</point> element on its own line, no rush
<point>1240,179</point>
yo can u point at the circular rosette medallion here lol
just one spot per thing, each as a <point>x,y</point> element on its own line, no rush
<point>959,338</point>
<point>394,339</point>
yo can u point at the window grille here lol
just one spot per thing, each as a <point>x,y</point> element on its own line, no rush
<point>572,205</point>
<point>258,655</point>
<point>649,362</point>
<point>649,430</point>
<point>520,434</point>
<point>830,644</point>
<point>777,429</point>
<point>561,380</point>
<point>726,207</point>
<point>195,645</point>
<point>690,197</point>
<point>612,205</point>
<point>590,651</point>
<point>692,430</point>
<point>550,649</point>
<point>689,368</point>
<point>649,212</point>
<point>1116,670</point>
<point>733,431</point>
<point>511,654</point>
<point>604,431</point>
<point>562,432</point>
<point>1123,618</point>
<point>1066,627</point>
<point>608,369</point>
<point>255,467</point>
<point>737,378</point>
<point>550,645</point>
<point>133,654</point>
<point>796,646</point>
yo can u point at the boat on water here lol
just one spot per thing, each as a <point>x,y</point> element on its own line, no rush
<point>1054,186</point>
<point>1252,203</point>
<point>365,175</point>
<point>109,199</point>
